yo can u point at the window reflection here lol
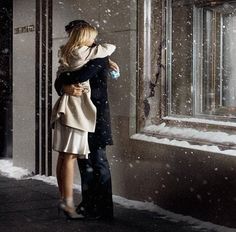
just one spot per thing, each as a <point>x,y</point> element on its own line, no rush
<point>201,67</point>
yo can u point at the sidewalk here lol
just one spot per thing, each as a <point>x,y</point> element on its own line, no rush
<point>30,206</point>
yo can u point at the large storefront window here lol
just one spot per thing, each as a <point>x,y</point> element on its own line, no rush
<point>201,58</point>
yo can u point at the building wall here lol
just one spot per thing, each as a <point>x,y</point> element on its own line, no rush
<point>24,85</point>
<point>190,182</point>
<point>106,15</point>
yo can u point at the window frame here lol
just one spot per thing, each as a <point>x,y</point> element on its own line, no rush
<point>159,80</point>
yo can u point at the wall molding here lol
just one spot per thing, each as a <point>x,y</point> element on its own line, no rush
<point>43,87</point>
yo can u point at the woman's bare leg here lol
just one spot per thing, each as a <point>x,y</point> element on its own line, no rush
<point>68,178</point>
<point>59,169</point>
<point>65,178</point>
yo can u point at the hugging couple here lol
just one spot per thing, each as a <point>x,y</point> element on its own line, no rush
<point>81,122</point>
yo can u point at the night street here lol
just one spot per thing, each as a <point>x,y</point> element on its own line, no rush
<point>30,205</point>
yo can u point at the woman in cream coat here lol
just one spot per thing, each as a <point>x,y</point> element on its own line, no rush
<point>73,117</point>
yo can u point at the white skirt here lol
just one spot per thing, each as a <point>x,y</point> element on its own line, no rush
<point>70,140</point>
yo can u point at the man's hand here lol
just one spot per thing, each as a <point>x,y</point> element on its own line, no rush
<point>114,65</point>
<point>74,90</point>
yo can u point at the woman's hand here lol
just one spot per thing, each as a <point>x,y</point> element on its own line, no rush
<point>114,65</point>
<point>73,90</point>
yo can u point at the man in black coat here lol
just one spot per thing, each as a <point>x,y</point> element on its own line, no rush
<point>95,171</point>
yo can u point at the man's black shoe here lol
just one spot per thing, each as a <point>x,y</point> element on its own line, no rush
<point>93,214</point>
<point>81,210</point>
<point>87,214</point>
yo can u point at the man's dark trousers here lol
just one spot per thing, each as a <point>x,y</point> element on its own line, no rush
<point>96,184</point>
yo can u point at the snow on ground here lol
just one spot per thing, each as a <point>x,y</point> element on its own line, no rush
<point>50,180</point>
<point>7,169</point>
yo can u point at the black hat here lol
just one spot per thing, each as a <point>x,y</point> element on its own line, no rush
<point>75,23</point>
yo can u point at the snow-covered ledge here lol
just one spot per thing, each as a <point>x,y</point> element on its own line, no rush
<point>201,120</point>
<point>185,135</point>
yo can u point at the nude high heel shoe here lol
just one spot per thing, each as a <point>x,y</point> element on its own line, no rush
<point>69,212</point>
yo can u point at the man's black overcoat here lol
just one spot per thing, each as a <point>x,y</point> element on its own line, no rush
<point>96,71</point>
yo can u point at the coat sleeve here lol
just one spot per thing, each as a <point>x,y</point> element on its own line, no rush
<point>87,72</point>
<point>101,51</point>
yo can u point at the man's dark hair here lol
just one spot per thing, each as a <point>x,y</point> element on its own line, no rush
<point>75,23</point>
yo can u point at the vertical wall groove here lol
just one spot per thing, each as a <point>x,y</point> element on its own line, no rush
<point>43,89</point>
<point>43,73</point>
<point>49,96</point>
<point>37,87</point>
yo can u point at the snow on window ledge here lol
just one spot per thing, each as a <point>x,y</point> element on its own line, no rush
<point>215,137</point>
<point>201,120</point>
<point>185,137</point>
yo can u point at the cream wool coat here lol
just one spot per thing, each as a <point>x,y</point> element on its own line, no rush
<point>79,112</point>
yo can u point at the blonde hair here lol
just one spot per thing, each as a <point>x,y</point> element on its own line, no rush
<point>78,37</point>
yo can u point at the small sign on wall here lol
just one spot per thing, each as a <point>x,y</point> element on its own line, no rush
<point>24,29</point>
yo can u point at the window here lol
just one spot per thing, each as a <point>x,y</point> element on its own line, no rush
<point>201,58</point>
<point>187,71</point>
